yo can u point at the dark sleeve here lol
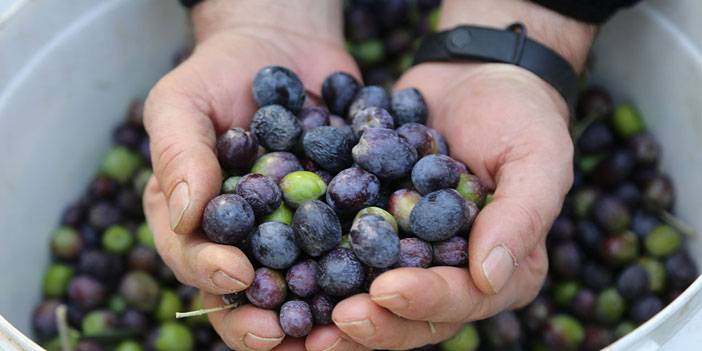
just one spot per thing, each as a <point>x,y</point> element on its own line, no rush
<point>189,3</point>
<point>592,11</point>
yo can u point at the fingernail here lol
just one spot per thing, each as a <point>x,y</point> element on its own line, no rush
<point>178,203</point>
<point>498,267</point>
<point>255,342</point>
<point>226,282</point>
<point>361,329</point>
<point>390,301</point>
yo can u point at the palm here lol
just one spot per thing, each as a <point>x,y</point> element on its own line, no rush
<point>509,128</point>
<point>203,97</point>
<point>222,69</point>
<point>498,123</point>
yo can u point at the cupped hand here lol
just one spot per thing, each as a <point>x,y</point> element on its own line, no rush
<point>511,130</point>
<point>203,97</point>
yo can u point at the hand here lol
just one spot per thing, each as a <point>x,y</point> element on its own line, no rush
<point>203,97</point>
<point>512,132</point>
<point>511,129</point>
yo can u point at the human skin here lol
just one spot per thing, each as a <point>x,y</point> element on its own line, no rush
<point>506,124</point>
<point>511,129</point>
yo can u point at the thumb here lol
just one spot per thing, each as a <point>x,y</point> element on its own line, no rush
<point>182,148</point>
<point>529,195</point>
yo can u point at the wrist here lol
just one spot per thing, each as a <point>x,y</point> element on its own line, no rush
<point>311,19</point>
<point>568,37</point>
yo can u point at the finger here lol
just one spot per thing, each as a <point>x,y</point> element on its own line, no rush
<point>291,344</point>
<point>447,294</point>
<point>438,294</point>
<point>330,338</point>
<point>176,116</point>
<point>217,269</point>
<point>246,327</point>
<point>531,186</point>
<point>375,327</point>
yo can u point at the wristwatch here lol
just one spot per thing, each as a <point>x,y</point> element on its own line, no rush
<point>510,46</point>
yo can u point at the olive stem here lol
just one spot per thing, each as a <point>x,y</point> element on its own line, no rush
<point>579,128</point>
<point>205,311</point>
<point>677,223</point>
<point>63,328</point>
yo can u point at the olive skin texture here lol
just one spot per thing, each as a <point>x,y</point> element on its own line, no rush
<point>329,147</point>
<point>369,96</point>
<point>353,189</point>
<point>408,106</point>
<point>276,128</point>
<point>237,150</point>
<point>273,245</point>
<point>296,318</point>
<point>400,205</point>
<point>317,228</point>
<point>275,85</point>
<point>268,290</point>
<point>435,172</point>
<point>419,136</point>
<point>276,165</point>
<point>451,252</point>
<point>228,219</point>
<point>260,192</point>
<point>415,252</point>
<point>302,278</point>
<point>338,90</point>
<point>438,215</point>
<point>384,153</point>
<point>371,117</point>
<point>374,241</point>
<point>340,273</point>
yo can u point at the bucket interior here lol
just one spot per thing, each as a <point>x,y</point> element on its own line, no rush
<point>70,81</point>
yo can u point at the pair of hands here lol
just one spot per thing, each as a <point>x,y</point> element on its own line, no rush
<point>506,124</point>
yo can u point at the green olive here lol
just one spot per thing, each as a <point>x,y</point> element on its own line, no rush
<point>569,330</point>
<point>172,336</point>
<point>229,185</point>
<point>301,186</point>
<point>467,339</point>
<point>121,163</point>
<point>129,345</point>
<point>168,305</point>
<point>662,241</point>
<point>145,237</point>
<point>282,214</point>
<point>610,306</point>
<point>627,121</point>
<point>117,240</point>
<point>56,280</point>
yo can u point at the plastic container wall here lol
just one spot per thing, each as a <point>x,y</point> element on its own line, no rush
<point>652,56</point>
<point>68,71</point>
<point>62,90</point>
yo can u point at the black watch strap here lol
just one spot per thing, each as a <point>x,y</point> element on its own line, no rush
<point>510,46</point>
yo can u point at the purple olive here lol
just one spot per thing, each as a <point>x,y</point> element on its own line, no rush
<point>296,318</point>
<point>451,252</point>
<point>414,252</point>
<point>237,150</point>
<point>268,289</point>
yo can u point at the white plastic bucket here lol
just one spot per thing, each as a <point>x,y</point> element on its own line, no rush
<point>652,56</point>
<point>68,70</point>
